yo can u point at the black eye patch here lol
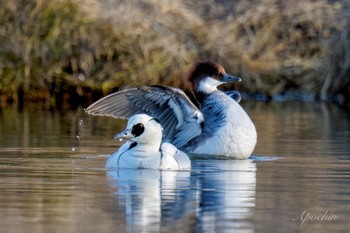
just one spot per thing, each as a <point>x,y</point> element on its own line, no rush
<point>137,129</point>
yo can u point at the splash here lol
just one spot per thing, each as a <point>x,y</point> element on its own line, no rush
<point>78,135</point>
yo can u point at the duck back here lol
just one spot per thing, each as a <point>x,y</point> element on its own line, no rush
<point>227,129</point>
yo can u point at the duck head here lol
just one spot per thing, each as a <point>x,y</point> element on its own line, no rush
<point>207,76</point>
<point>142,129</point>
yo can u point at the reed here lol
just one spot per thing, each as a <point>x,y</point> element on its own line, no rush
<point>68,50</point>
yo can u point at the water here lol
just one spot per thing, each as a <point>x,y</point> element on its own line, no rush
<point>52,177</point>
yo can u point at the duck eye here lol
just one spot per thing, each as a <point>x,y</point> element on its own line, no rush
<point>137,129</point>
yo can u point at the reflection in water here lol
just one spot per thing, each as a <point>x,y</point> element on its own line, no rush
<point>301,129</point>
<point>47,187</point>
<point>220,195</point>
<point>227,195</point>
<point>150,196</point>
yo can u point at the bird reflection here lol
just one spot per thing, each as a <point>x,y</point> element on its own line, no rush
<point>216,195</point>
<point>150,197</point>
<point>226,195</point>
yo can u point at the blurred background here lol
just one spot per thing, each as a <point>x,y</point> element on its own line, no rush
<point>61,53</point>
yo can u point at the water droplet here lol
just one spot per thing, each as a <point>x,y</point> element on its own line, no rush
<point>81,122</point>
<point>73,149</point>
<point>78,137</point>
<point>120,139</point>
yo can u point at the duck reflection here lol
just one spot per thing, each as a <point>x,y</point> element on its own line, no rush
<point>151,197</point>
<point>226,193</point>
<point>217,195</point>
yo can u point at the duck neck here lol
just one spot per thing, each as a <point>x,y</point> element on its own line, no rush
<point>150,146</point>
<point>201,94</point>
<point>200,97</point>
<point>151,141</point>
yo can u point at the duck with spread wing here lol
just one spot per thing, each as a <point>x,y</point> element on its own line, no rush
<point>217,127</point>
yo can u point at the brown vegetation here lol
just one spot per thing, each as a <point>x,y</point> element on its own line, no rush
<point>64,50</point>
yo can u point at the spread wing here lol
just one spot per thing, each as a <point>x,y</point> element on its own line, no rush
<point>179,117</point>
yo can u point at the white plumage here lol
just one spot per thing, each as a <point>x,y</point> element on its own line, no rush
<point>145,148</point>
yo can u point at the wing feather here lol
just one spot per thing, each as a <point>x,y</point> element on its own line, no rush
<point>179,117</point>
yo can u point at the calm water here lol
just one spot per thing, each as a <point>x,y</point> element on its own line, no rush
<point>52,177</point>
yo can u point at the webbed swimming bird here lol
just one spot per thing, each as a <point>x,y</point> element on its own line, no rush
<point>218,126</point>
<point>145,148</point>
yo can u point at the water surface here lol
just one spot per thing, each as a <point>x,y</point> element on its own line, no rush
<point>52,177</point>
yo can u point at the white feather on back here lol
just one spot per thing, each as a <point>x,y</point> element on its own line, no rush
<point>174,158</point>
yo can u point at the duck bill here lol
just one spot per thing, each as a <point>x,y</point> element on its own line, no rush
<point>229,78</point>
<point>126,134</point>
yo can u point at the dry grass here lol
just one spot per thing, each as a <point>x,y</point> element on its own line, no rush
<point>281,43</point>
<point>49,48</point>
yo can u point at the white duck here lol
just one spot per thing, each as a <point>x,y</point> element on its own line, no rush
<point>217,125</point>
<point>145,148</point>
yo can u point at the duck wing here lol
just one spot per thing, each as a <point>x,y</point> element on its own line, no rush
<point>235,95</point>
<point>179,117</point>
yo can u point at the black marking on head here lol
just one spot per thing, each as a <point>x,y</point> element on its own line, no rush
<point>137,129</point>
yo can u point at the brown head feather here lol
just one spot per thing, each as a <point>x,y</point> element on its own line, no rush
<point>205,69</point>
